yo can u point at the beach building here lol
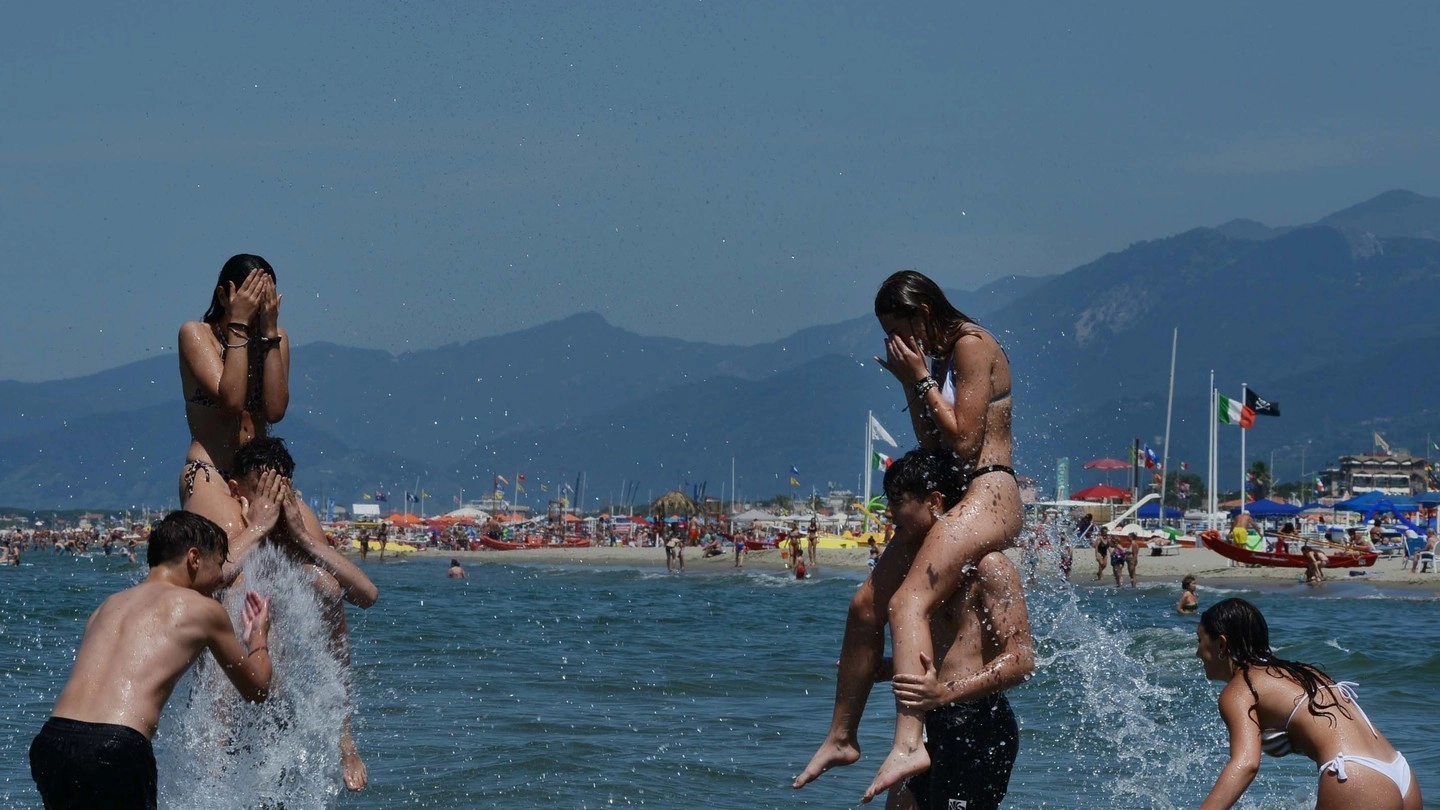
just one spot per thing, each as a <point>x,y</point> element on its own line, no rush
<point>1391,473</point>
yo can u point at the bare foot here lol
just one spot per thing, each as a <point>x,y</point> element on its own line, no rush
<point>896,768</point>
<point>830,755</point>
<point>357,776</point>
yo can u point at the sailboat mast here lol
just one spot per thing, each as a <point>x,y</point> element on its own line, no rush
<point>1169,406</point>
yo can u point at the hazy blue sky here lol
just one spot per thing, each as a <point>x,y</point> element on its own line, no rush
<point>427,173</point>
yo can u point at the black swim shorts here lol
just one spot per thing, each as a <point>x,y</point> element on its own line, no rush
<point>79,766</point>
<point>972,748</point>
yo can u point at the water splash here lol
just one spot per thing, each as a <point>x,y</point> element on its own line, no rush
<point>225,753</point>
<point>1112,694</point>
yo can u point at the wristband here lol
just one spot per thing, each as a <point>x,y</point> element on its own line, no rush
<point>238,326</point>
<point>924,385</point>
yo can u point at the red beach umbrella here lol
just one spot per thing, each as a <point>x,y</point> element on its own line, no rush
<point>1099,492</point>
<point>1106,464</point>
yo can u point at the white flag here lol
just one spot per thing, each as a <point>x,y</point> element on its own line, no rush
<point>878,432</point>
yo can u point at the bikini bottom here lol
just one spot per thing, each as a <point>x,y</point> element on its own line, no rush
<point>194,467</point>
<point>1397,770</point>
<point>986,470</point>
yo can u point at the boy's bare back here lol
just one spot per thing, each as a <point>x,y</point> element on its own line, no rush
<point>136,647</point>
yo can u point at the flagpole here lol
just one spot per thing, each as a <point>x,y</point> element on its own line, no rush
<point>869,462</point>
<point>1243,388</point>
<point>1169,406</point>
<point>1210,470</point>
<point>732,486</point>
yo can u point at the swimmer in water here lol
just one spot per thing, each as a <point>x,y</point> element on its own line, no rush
<point>956,381</point>
<point>984,647</point>
<point>455,572</point>
<point>1189,604</point>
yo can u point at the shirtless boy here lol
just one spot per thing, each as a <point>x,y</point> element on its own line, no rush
<point>94,751</point>
<point>983,647</point>
<point>257,465</point>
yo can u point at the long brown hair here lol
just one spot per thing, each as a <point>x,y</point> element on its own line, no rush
<point>1248,639</point>
<point>908,294</point>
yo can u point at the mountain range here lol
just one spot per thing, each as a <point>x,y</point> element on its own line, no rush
<point>1332,319</point>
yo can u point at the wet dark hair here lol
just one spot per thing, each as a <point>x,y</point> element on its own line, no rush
<point>234,272</point>
<point>906,293</point>
<point>1185,583</point>
<point>454,563</point>
<point>921,472</point>
<point>263,453</point>
<point>181,531</point>
<point>1248,640</point>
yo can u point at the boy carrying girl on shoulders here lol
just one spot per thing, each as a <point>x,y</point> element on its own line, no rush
<point>95,751</point>
<point>982,648</point>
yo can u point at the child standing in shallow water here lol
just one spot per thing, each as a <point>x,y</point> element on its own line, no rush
<point>956,380</point>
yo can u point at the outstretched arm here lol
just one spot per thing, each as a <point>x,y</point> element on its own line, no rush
<point>260,513</point>
<point>309,536</point>
<point>1237,710</point>
<point>249,668</point>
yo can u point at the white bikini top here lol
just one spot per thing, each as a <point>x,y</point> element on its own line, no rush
<point>1276,742</point>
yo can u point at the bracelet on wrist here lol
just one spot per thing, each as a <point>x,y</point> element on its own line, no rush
<point>265,648</point>
<point>238,326</point>
<point>924,385</point>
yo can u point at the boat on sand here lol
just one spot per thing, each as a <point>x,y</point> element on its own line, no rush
<point>1275,559</point>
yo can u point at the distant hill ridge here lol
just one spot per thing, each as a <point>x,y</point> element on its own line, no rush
<point>1326,318</point>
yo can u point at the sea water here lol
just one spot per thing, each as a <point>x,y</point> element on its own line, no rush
<point>562,686</point>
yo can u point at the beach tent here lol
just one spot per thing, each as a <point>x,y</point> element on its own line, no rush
<point>1266,508</point>
<point>1427,498</point>
<point>1376,499</point>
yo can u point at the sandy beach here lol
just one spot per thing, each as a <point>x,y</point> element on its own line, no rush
<point>1206,565</point>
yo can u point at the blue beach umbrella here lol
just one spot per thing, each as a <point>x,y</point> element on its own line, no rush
<point>1266,508</point>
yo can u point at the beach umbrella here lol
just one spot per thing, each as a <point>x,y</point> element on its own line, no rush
<point>1099,492</point>
<point>1266,508</point>
<point>1151,511</point>
<point>1427,498</point>
<point>674,502</point>
<point>1107,465</point>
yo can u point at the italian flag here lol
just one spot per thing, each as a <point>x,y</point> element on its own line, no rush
<point>1232,412</point>
<point>880,460</point>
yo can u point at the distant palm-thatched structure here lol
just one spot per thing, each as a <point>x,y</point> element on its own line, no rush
<point>674,502</point>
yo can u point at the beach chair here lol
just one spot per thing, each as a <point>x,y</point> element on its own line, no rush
<point>1413,545</point>
<point>1426,562</point>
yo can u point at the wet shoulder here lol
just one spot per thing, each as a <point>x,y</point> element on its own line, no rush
<point>996,570</point>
